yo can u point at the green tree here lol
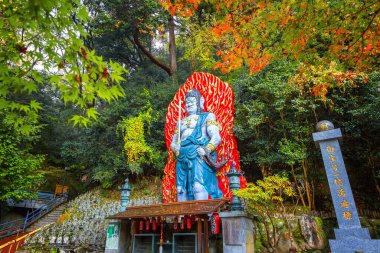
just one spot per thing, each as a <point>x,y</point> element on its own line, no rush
<point>42,49</point>
<point>19,176</point>
<point>98,151</point>
<point>143,27</point>
<point>275,121</point>
<point>266,199</point>
<point>197,43</point>
<point>43,40</point>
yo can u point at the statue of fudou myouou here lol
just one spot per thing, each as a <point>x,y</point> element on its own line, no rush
<point>200,140</point>
<point>194,142</point>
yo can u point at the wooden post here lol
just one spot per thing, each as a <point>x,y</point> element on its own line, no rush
<point>134,229</point>
<point>205,228</point>
<point>161,249</point>
<point>199,230</point>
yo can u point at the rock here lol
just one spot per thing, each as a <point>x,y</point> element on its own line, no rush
<point>286,245</point>
<point>311,233</point>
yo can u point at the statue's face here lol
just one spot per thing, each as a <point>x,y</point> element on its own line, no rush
<point>191,105</point>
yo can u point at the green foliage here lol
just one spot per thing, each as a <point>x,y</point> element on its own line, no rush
<point>275,121</point>
<point>50,72</point>
<point>98,151</point>
<point>266,196</point>
<point>319,227</point>
<point>118,24</point>
<point>40,248</point>
<point>19,175</point>
<point>42,40</point>
<point>135,146</point>
<point>270,115</point>
<point>297,235</point>
<point>198,43</point>
<point>108,168</point>
<point>265,199</point>
<point>146,187</point>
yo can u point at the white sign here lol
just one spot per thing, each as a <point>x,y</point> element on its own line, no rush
<point>113,233</point>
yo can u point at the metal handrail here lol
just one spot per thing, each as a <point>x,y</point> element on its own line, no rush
<point>19,225</point>
<point>41,197</point>
<point>45,196</point>
<point>11,227</point>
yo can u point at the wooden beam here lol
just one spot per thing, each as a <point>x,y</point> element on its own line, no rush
<point>205,229</point>
<point>134,227</point>
<point>199,234</point>
<point>194,207</point>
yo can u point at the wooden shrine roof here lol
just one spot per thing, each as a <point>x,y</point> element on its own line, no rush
<point>195,207</point>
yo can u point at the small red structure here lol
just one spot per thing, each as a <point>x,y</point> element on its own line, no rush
<point>197,210</point>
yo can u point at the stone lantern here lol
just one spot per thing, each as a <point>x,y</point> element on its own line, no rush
<point>234,178</point>
<point>125,194</point>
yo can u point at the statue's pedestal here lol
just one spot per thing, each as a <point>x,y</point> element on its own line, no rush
<point>238,234</point>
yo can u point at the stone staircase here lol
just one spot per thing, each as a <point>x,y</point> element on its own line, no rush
<point>49,218</point>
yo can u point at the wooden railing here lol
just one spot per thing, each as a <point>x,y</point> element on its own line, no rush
<point>15,243</point>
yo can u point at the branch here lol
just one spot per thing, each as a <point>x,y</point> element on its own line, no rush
<point>365,30</point>
<point>136,48</point>
<point>267,230</point>
<point>149,54</point>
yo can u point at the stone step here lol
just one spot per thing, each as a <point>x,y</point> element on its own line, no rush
<point>51,217</point>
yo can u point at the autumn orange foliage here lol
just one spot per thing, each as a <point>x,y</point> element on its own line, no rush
<point>254,33</point>
<point>317,79</point>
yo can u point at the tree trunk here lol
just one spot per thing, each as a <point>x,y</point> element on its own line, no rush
<point>172,51</point>
<point>264,171</point>
<point>373,172</point>
<point>307,184</point>
<point>313,194</point>
<point>297,187</point>
<point>170,68</point>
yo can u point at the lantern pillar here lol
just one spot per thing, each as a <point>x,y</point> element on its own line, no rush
<point>125,194</point>
<point>238,232</point>
<point>119,237</point>
<point>234,178</point>
<point>237,227</point>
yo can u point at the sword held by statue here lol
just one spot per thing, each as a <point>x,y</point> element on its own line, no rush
<point>179,122</point>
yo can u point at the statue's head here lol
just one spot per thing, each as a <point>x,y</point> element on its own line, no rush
<point>194,102</point>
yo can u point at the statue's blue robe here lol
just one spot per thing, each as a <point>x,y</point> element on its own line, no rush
<point>190,168</point>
